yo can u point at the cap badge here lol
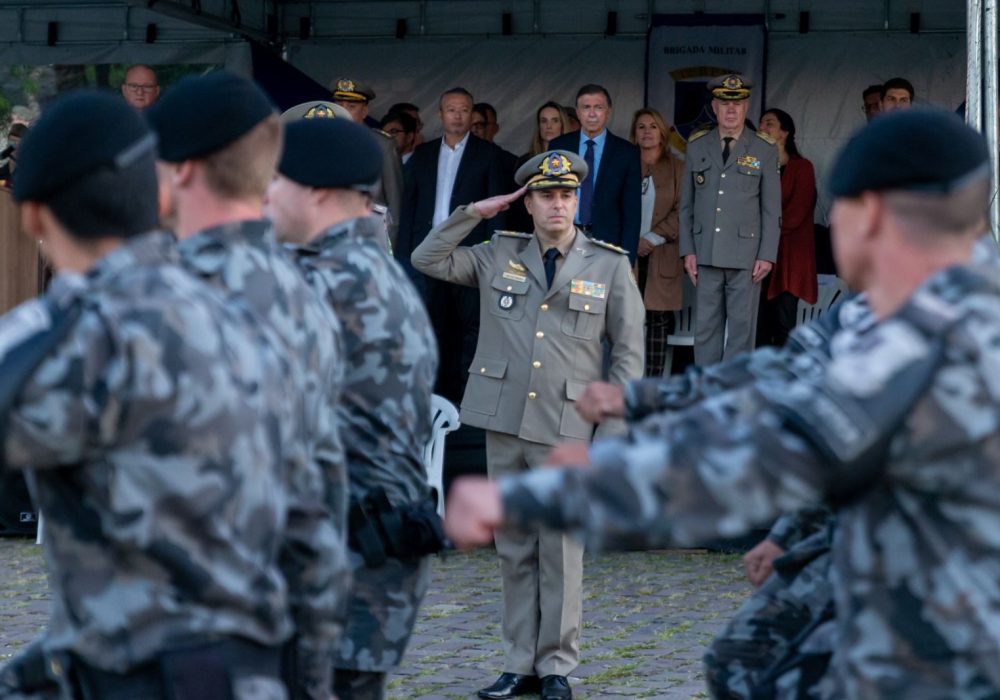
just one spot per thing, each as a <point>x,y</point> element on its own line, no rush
<point>319,112</point>
<point>555,164</point>
<point>345,86</point>
<point>732,83</point>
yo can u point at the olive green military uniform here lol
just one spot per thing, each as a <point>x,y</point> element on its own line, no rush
<point>730,215</point>
<point>539,347</point>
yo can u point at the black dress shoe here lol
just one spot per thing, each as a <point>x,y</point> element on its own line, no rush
<point>510,685</point>
<point>556,688</point>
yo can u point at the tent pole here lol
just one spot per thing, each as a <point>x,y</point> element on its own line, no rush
<point>974,58</point>
<point>990,97</point>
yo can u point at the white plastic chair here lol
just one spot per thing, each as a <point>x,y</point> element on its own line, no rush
<point>684,326</point>
<point>831,290</point>
<point>40,533</point>
<point>444,419</point>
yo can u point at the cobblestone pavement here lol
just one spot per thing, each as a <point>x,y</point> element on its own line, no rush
<point>647,619</point>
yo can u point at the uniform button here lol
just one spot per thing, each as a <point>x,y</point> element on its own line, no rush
<point>544,307</point>
<point>532,395</point>
<point>717,229</point>
<point>482,370</point>
<point>718,209</point>
<point>723,174</point>
<point>721,192</point>
<point>536,364</point>
<point>509,288</point>
<point>586,307</point>
<point>539,334</point>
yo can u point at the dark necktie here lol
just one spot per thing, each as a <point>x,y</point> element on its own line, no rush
<point>587,186</point>
<point>550,264</point>
<point>725,149</point>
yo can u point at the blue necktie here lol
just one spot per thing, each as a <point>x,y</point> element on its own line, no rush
<point>587,186</point>
<point>550,264</point>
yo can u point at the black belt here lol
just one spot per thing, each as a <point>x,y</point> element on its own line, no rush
<point>197,672</point>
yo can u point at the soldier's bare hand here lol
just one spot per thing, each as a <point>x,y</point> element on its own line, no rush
<point>601,401</point>
<point>569,454</point>
<point>691,268</point>
<point>474,510</point>
<point>761,268</point>
<point>488,208</point>
<point>645,247</point>
<point>759,561</point>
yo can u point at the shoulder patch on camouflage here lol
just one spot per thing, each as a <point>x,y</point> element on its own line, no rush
<point>765,137</point>
<point>609,246</point>
<point>697,135</point>
<point>513,234</point>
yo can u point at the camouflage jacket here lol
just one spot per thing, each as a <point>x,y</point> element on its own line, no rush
<point>915,553</point>
<point>150,434</point>
<point>243,260</point>
<point>390,358</point>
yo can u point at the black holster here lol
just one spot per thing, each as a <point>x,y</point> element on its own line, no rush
<point>379,530</point>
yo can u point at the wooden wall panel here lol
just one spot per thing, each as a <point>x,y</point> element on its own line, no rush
<point>20,263</point>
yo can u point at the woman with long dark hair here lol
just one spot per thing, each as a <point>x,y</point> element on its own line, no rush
<point>794,273</point>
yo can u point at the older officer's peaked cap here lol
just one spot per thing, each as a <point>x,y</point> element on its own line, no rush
<point>730,87</point>
<point>331,153</point>
<point>563,169</point>
<point>76,136</point>
<point>203,114</point>
<point>317,109</point>
<point>351,90</point>
<point>917,150</point>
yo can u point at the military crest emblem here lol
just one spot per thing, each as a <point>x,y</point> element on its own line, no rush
<point>700,178</point>
<point>732,82</point>
<point>319,112</point>
<point>555,165</point>
<point>345,86</point>
<point>506,302</point>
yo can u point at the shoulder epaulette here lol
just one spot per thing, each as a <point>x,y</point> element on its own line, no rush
<point>513,234</point>
<point>697,135</point>
<point>609,246</point>
<point>766,137</point>
<point>381,133</point>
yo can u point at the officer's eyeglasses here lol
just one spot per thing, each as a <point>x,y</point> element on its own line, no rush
<point>139,87</point>
<point>396,132</point>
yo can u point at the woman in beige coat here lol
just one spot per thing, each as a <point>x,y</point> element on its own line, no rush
<point>658,268</point>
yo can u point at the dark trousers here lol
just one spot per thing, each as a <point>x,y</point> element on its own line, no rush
<point>454,313</point>
<point>776,318</point>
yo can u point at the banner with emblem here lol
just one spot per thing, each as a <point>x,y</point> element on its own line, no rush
<point>684,52</point>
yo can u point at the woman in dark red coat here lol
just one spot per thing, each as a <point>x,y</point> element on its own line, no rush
<point>794,273</point>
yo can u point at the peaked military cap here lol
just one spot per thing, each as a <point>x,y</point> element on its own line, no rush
<point>730,87</point>
<point>917,150</point>
<point>331,153</point>
<point>317,109</point>
<point>351,90</point>
<point>203,114</point>
<point>552,169</point>
<point>77,135</point>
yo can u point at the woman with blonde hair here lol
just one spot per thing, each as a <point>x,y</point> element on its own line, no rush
<point>550,122</point>
<point>658,267</point>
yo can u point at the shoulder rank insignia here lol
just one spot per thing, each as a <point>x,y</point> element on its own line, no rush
<point>609,246</point>
<point>697,135</point>
<point>765,137</point>
<point>513,234</point>
<point>383,133</point>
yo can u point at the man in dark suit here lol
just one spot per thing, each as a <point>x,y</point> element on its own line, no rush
<point>443,174</point>
<point>611,197</point>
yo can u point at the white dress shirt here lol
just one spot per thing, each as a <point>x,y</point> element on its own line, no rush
<point>448,160</point>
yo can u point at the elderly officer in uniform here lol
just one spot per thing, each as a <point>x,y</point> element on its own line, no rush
<point>548,300</point>
<point>729,222</point>
<point>219,142</point>
<point>898,433</point>
<point>150,420</point>
<point>320,203</point>
<point>354,97</point>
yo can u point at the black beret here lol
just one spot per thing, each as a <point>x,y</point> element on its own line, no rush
<point>920,149</point>
<point>331,153</point>
<point>76,135</point>
<point>202,114</point>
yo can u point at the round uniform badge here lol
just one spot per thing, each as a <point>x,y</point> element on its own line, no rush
<point>700,179</point>
<point>506,302</point>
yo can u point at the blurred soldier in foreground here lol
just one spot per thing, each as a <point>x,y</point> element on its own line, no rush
<point>320,203</point>
<point>548,300</point>
<point>149,417</point>
<point>219,141</point>
<point>898,433</point>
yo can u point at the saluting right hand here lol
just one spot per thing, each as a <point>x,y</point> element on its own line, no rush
<point>488,208</point>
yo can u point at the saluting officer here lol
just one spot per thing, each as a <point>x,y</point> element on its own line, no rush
<point>547,301</point>
<point>729,222</point>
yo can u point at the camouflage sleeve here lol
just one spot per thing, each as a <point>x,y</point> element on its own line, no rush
<point>792,528</point>
<point>707,481</point>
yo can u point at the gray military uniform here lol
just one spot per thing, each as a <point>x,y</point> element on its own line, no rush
<point>538,349</point>
<point>729,218</point>
<point>390,189</point>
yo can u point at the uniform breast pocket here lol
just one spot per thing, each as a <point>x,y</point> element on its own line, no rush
<point>482,392</point>
<point>508,297</point>
<point>749,179</point>
<point>585,317</point>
